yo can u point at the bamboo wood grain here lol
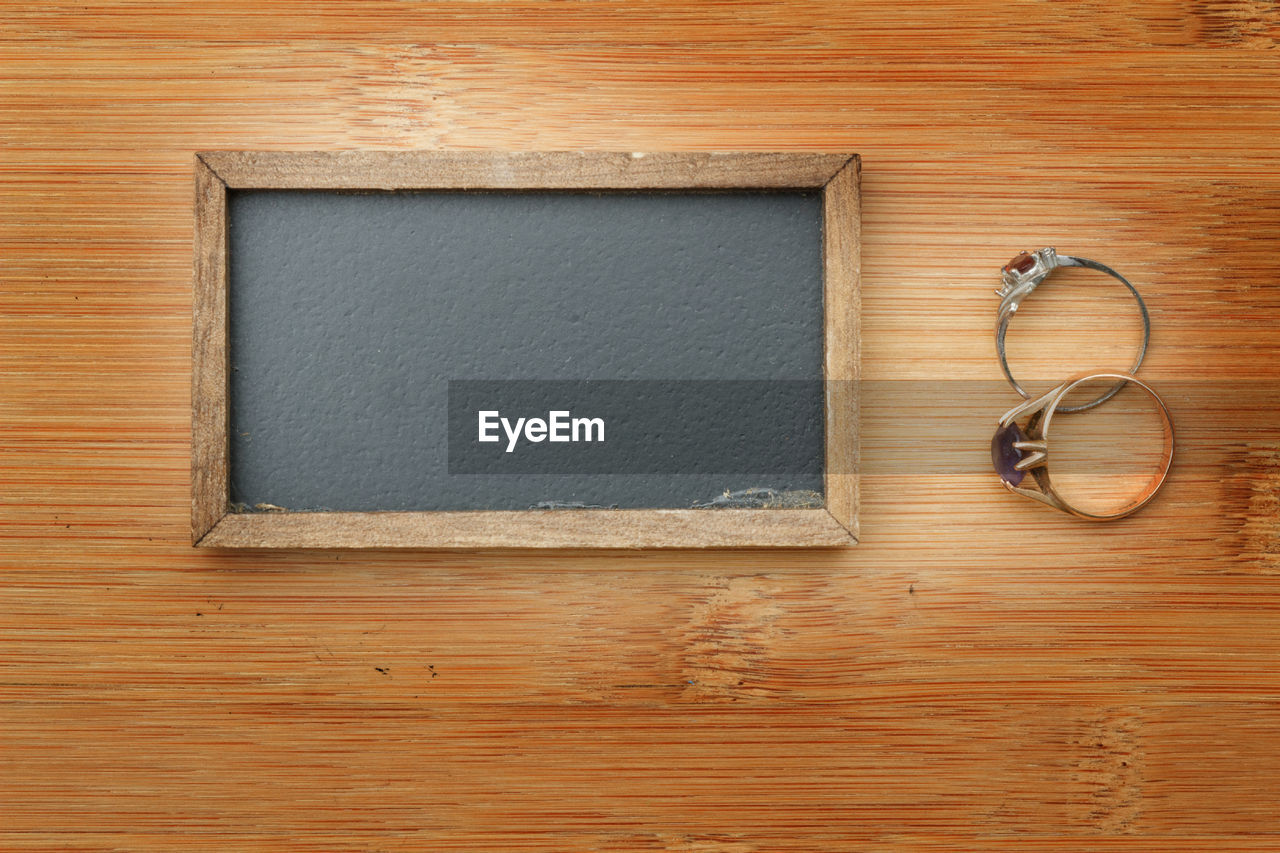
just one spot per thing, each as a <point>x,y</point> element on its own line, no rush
<point>977,674</point>
<point>214,524</point>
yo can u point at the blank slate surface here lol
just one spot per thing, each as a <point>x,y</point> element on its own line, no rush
<point>350,314</point>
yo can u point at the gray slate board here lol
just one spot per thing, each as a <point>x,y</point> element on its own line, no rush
<point>351,312</point>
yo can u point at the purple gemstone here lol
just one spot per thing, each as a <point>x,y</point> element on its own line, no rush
<point>1004,456</point>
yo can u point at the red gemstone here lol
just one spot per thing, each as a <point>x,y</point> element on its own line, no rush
<point>1024,263</point>
<point>1005,457</point>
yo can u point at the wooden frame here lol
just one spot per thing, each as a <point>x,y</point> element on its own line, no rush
<point>214,525</point>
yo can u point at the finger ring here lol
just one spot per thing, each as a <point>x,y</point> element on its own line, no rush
<point>1021,276</point>
<point>1016,450</point>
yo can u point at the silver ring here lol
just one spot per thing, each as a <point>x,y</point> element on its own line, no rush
<point>1021,276</point>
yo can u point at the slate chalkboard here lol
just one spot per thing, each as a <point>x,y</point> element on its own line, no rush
<point>402,349</point>
<point>351,313</point>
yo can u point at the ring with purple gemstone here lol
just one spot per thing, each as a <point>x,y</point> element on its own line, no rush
<point>1015,450</point>
<point>1021,276</point>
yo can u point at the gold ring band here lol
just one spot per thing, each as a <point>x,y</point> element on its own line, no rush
<point>1016,451</point>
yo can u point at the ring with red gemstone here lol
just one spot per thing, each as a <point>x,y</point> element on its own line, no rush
<point>1021,276</point>
<point>1019,450</point>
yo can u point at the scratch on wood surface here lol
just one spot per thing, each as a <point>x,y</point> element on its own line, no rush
<point>1251,502</point>
<point>728,642</point>
<point>1110,765</point>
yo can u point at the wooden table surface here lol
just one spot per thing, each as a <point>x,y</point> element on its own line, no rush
<point>979,673</point>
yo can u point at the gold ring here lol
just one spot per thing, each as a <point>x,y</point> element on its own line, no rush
<point>1017,450</point>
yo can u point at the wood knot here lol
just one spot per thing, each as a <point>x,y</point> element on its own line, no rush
<point>1109,765</point>
<point>1251,503</point>
<point>728,643</point>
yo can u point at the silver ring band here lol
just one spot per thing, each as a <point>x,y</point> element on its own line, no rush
<point>1021,276</point>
